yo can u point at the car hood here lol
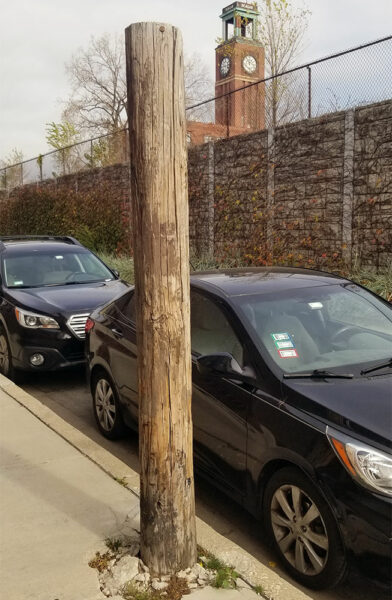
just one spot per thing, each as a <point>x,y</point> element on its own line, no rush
<point>68,299</point>
<point>362,405</point>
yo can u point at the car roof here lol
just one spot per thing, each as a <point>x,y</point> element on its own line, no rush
<point>261,280</point>
<point>19,244</point>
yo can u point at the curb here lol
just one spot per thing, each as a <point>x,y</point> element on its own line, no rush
<point>250,569</point>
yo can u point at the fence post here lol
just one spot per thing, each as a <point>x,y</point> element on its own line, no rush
<point>348,186</point>
<point>159,192</point>
<point>227,116</point>
<point>39,162</point>
<point>211,200</point>
<point>270,190</point>
<point>309,92</point>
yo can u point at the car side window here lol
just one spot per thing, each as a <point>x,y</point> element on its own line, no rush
<point>123,308</point>
<point>126,306</point>
<point>211,332</point>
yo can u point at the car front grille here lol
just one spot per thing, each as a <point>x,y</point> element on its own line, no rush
<point>77,324</point>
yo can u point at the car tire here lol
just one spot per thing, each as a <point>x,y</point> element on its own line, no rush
<point>303,530</point>
<point>5,355</point>
<point>6,367</point>
<point>106,407</point>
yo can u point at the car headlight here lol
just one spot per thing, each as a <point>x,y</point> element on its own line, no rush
<point>33,321</point>
<point>368,466</point>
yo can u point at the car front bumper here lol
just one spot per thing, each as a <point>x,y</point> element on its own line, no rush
<point>365,520</point>
<point>53,359</point>
<point>367,533</point>
<point>59,349</point>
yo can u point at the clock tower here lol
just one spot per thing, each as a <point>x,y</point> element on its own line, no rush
<point>239,62</point>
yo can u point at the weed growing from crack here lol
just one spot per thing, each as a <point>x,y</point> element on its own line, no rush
<point>259,590</point>
<point>225,578</point>
<point>225,575</point>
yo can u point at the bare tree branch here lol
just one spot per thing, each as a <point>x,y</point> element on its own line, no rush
<point>98,101</point>
<point>281,31</point>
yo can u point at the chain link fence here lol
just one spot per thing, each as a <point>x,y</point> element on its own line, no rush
<point>100,151</point>
<point>348,79</point>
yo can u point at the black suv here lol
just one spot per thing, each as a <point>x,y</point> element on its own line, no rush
<point>48,287</point>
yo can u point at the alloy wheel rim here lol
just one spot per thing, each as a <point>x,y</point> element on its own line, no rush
<point>4,356</point>
<point>299,530</point>
<point>105,405</point>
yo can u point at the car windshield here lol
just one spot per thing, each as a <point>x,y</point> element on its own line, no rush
<point>320,327</point>
<point>38,268</point>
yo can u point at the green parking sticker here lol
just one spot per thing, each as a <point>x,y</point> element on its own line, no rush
<point>282,340</point>
<point>288,344</point>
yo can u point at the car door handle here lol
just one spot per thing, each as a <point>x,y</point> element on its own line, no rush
<point>116,332</point>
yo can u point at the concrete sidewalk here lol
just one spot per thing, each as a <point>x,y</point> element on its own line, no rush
<point>56,509</point>
<point>58,505</point>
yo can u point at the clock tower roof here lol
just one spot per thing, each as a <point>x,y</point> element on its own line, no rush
<point>239,20</point>
<point>248,7</point>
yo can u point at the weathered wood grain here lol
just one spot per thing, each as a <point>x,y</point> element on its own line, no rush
<point>159,192</point>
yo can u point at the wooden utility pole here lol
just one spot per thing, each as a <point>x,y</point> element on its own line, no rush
<point>159,190</point>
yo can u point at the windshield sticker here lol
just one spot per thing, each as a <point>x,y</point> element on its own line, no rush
<point>314,305</point>
<point>283,340</point>
<point>18,283</point>
<point>288,353</point>
<point>278,337</point>
<point>288,344</point>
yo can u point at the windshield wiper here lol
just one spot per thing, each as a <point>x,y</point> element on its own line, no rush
<point>84,281</point>
<point>318,374</point>
<point>387,363</point>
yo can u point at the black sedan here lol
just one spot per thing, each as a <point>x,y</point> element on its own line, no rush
<point>292,394</point>
<point>48,287</point>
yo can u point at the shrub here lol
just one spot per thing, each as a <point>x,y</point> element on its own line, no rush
<point>96,218</point>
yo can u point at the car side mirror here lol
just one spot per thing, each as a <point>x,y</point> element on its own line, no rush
<point>223,363</point>
<point>116,273</point>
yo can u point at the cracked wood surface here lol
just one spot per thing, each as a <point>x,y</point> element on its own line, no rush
<point>159,191</point>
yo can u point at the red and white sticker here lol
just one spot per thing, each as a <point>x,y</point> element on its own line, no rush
<point>288,353</point>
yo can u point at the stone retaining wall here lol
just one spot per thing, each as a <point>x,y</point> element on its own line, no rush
<point>317,191</point>
<point>314,192</point>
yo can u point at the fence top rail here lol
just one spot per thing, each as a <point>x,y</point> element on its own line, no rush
<point>266,79</point>
<point>40,156</point>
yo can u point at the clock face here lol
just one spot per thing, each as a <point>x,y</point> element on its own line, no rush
<point>249,63</point>
<point>225,66</point>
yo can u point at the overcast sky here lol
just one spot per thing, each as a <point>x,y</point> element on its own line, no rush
<point>38,36</point>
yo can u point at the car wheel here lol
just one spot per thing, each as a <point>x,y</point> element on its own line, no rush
<point>303,530</point>
<point>5,355</point>
<point>6,367</point>
<point>106,407</point>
